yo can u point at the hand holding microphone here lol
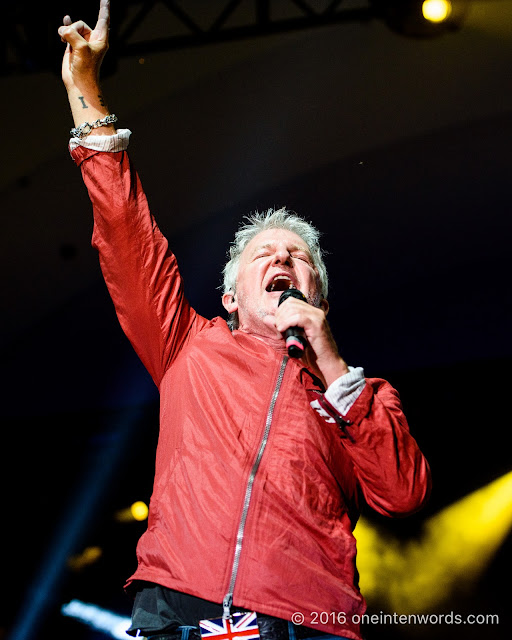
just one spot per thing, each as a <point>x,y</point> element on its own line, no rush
<point>296,343</point>
<point>322,356</point>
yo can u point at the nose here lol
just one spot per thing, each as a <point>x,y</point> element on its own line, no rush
<point>282,256</point>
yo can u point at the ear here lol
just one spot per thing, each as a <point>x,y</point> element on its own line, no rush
<point>324,305</point>
<point>229,302</point>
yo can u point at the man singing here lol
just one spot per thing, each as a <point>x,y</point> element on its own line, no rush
<point>263,459</point>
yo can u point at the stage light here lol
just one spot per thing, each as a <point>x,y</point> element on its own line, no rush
<point>436,10</point>
<point>422,18</point>
<point>102,464</point>
<point>137,511</point>
<point>456,546</point>
<point>81,560</point>
<point>101,619</point>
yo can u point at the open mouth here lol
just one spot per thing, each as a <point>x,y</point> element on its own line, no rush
<point>280,283</point>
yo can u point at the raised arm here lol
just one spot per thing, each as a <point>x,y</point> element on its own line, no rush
<point>140,271</point>
<point>85,50</point>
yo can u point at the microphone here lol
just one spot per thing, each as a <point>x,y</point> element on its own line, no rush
<point>296,343</point>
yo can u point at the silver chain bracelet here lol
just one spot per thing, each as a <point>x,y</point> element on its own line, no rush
<point>86,127</point>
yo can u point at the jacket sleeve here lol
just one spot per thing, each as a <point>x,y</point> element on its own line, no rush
<point>141,273</point>
<point>389,467</point>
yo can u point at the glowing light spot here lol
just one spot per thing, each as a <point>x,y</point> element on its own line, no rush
<point>139,510</point>
<point>436,10</point>
<point>104,620</point>
<point>88,556</point>
<point>456,546</point>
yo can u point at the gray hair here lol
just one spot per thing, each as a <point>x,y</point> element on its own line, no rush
<point>272,219</point>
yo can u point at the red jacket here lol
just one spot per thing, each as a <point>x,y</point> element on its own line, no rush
<point>241,453</point>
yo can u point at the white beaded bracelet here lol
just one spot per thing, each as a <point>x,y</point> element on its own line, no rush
<point>86,127</point>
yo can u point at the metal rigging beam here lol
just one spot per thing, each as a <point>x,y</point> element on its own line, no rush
<point>28,42</point>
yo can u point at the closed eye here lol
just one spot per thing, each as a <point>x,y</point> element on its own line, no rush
<point>302,256</point>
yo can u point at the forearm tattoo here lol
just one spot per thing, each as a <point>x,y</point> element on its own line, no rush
<point>82,100</point>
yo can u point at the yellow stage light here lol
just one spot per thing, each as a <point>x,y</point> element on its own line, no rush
<point>456,546</point>
<point>88,556</point>
<point>424,18</point>
<point>139,510</point>
<point>436,10</point>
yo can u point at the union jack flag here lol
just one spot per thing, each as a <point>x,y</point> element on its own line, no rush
<point>242,625</point>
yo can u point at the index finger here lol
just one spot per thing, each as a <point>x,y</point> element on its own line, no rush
<point>103,23</point>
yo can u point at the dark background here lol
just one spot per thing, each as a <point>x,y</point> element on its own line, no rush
<point>396,148</point>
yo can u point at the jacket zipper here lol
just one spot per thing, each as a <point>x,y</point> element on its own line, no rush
<point>228,598</point>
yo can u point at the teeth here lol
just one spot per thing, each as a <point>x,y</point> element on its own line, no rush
<point>273,285</point>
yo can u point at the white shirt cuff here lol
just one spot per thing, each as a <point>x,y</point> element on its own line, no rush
<point>117,142</point>
<point>344,391</point>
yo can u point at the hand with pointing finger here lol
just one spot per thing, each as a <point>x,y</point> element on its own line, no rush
<point>85,49</point>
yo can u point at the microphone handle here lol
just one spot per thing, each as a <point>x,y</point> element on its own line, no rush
<point>296,343</point>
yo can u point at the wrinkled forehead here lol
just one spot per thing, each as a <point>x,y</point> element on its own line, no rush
<point>274,238</point>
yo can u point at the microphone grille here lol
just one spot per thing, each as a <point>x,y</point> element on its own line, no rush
<point>291,293</point>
